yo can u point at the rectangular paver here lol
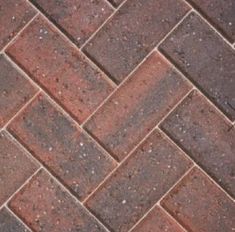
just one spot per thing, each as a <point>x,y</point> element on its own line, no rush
<point>16,167</point>
<point>132,33</point>
<point>206,59</point>
<point>15,91</point>
<point>45,206</point>
<point>58,143</point>
<point>78,19</point>
<point>206,136</point>
<point>13,17</point>
<point>137,106</point>
<point>138,183</point>
<point>60,69</point>
<point>200,205</point>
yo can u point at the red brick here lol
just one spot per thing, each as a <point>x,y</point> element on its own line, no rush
<point>200,205</point>
<point>136,107</point>
<point>60,69</point>
<point>16,167</point>
<point>60,145</point>
<point>44,206</point>
<point>14,14</point>
<point>9,223</point>
<point>138,183</point>
<point>132,33</point>
<point>79,19</point>
<point>205,59</point>
<point>15,91</point>
<point>219,13</point>
<point>157,221</point>
<point>206,136</point>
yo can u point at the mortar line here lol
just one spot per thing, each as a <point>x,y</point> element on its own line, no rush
<point>110,4</point>
<point>133,150</point>
<point>196,164</point>
<point>166,193</point>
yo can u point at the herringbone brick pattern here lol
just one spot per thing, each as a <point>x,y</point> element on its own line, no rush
<point>117,116</point>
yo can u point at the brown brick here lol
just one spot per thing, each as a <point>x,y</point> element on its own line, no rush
<point>206,136</point>
<point>16,167</point>
<point>44,206</point>
<point>9,223</point>
<point>138,183</point>
<point>132,33</point>
<point>205,59</point>
<point>14,14</point>
<point>219,13</point>
<point>137,106</point>
<point>62,147</point>
<point>79,19</point>
<point>15,91</point>
<point>60,69</point>
<point>200,205</point>
<point>157,221</point>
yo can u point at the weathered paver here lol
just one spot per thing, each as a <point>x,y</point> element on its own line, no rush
<point>132,33</point>
<point>219,13</point>
<point>138,183</point>
<point>16,167</point>
<point>60,69</point>
<point>9,223</point>
<point>141,103</point>
<point>200,205</point>
<point>78,19</point>
<point>15,91</point>
<point>206,136</point>
<point>58,143</point>
<point>44,206</point>
<point>157,221</point>
<point>206,60</point>
<point>14,14</point>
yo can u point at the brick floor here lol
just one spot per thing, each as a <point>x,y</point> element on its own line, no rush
<point>117,116</point>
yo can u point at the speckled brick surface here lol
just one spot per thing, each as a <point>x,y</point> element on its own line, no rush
<point>117,116</point>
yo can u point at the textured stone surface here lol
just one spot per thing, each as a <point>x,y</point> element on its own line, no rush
<point>60,69</point>
<point>79,19</point>
<point>16,167</point>
<point>116,2</point>
<point>9,223</point>
<point>157,221</point>
<point>132,33</point>
<point>219,13</point>
<point>205,59</point>
<point>14,14</point>
<point>45,206</point>
<point>141,103</point>
<point>200,205</point>
<point>206,136</point>
<point>139,183</point>
<point>15,91</point>
<point>62,147</point>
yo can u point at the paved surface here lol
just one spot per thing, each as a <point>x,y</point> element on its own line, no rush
<point>117,116</point>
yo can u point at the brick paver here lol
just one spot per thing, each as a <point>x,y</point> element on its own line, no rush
<point>13,17</point>
<point>141,103</point>
<point>205,59</point>
<point>117,116</point>
<point>60,69</point>
<point>79,19</point>
<point>45,206</point>
<point>192,126</point>
<point>132,33</point>
<point>133,189</point>
<point>200,205</point>
<point>8,223</point>
<point>62,147</point>
<point>16,167</point>
<point>15,91</point>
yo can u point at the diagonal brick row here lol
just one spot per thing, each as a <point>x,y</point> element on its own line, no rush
<point>117,118</point>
